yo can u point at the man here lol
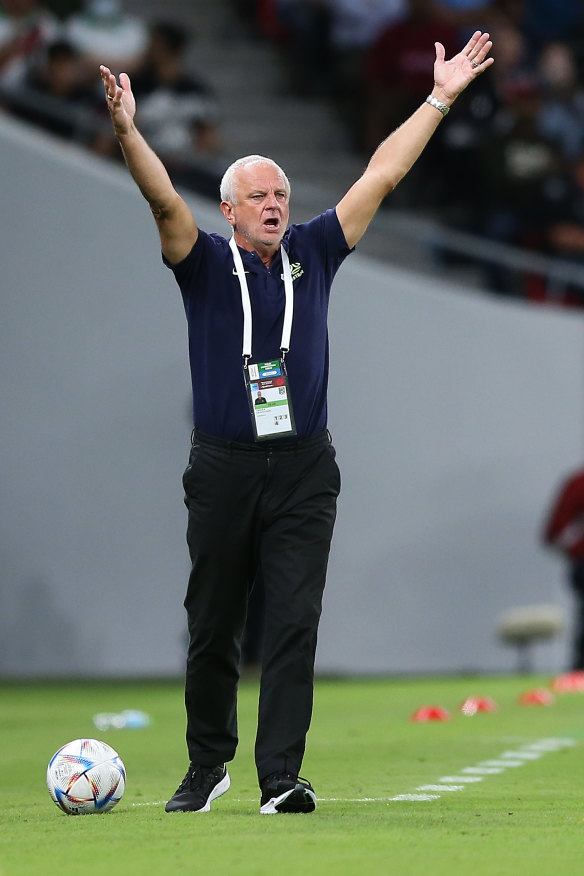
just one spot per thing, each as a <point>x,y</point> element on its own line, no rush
<point>262,482</point>
<point>564,531</point>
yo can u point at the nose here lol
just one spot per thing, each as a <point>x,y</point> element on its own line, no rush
<point>271,200</point>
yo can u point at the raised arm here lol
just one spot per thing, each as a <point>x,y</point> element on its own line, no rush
<point>176,225</point>
<point>396,155</point>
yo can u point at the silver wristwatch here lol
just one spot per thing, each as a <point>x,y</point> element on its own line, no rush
<point>437,104</point>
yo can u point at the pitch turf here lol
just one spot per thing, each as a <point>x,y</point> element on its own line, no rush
<point>363,750</point>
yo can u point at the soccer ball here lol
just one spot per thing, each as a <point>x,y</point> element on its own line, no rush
<point>85,777</point>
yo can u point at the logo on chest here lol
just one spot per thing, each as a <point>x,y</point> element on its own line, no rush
<point>296,270</point>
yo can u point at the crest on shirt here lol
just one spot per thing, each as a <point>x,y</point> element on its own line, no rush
<point>296,270</point>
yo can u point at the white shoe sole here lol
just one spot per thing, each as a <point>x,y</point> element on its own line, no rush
<point>276,806</point>
<point>219,789</point>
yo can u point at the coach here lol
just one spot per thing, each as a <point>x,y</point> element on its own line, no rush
<point>262,481</point>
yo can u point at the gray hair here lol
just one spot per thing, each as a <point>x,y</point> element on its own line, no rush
<point>227,188</point>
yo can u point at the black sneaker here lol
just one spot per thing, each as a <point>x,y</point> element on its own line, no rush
<point>197,789</point>
<point>282,792</point>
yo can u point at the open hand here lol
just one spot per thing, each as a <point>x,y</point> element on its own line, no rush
<point>452,77</point>
<point>120,100</point>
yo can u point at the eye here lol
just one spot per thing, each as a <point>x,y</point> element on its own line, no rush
<point>281,196</point>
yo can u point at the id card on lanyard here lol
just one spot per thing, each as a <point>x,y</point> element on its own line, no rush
<point>266,383</point>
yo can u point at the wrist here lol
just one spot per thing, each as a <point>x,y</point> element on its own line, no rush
<point>442,96</point>
<point>437,104</point>
<point>124,131</point>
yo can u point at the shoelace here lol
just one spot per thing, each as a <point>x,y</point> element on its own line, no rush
<point>283,776</point>
<point>196,776</point>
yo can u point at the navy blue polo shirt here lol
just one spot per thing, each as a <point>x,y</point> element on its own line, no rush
<point>212,300</point>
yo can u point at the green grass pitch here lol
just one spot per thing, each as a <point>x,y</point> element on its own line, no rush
<point>363,750</point>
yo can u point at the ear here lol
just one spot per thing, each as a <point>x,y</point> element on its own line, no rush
<point>227,210</point>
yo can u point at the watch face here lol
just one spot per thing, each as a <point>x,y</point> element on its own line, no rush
<point>441,107</point>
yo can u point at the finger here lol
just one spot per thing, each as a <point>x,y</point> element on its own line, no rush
<point>480,62</point>
<point>125,83</point>
<point>486,63</point>
<point>440,52</point>
<point>112,91</point>
<point>480,44</point>
<point>106,74</point>
<point>471,45</point>
<point>484,50</point>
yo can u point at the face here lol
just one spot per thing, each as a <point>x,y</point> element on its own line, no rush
<point>260,216</point>
<point>63,75</point>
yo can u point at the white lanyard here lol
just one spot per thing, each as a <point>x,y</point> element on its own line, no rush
<point>246,303</point>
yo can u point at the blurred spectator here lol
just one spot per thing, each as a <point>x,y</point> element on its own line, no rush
<point>306,26</point>
<point>26,28</point>
<point>398,77</point>
<point>355,25</point>
<point>399,65</point>
<point>564,531</point>
<point>563,238</point>
<point>546,21</point>
<point>177,112</point>
<point>476,117</point>
<point>468,14</point>
<point>53,96</point>
<point>104,34</point>
<point>562,110</point>
<point>523,170</point>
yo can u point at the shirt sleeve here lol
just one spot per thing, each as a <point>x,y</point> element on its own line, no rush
<point>565,523</point>
<point>195,273</point>
<point>186,271</point>
<point>325,235</point>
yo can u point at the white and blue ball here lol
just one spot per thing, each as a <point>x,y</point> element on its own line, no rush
<point>85,777</point>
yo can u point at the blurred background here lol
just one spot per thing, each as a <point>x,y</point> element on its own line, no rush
<point>456,399</point>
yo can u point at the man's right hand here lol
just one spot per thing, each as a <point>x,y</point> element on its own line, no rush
<point>120,100</point>
<point>176,226</point>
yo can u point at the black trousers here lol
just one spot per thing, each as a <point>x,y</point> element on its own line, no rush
<point>577,582</point>
<point>268,510</point>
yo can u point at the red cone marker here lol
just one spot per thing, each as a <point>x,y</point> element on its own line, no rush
<point>569,682</point>
<point>538,697</point>
<point>473,705</point>
<point>430,713</point>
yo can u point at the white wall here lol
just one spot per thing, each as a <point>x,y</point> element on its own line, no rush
<point>454,416</point>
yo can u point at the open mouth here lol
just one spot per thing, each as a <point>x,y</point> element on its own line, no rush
<point>272,224</point>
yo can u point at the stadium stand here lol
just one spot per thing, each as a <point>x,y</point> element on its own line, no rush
<point>466,220</point>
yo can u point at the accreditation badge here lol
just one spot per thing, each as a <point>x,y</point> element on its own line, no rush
<point>269,400</point>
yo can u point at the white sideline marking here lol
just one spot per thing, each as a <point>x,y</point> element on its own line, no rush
<point>553,744</point>
<point>524,755</point>
<point>154,803</point>
<point>467,780</point>
<point>528,752</point>
<point>352,799</point>
<point>502,763</point>
<point>319,800</point>
<point>416,797</point>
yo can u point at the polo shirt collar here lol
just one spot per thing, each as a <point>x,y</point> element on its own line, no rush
<point>253,262</point>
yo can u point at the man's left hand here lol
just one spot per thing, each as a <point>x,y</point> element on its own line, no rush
<point>451,77</point>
